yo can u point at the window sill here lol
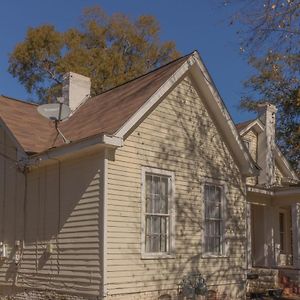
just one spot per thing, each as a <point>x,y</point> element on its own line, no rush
<point>158,256</point>
<point>214,255</point>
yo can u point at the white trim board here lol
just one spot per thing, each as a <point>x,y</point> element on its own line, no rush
<point>257,124</point>
<point>171,204</point>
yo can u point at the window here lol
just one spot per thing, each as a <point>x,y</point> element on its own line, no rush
<point>282,232</point>
<point>247,144</point>
<point>157,209</point>
<point>213,202</point>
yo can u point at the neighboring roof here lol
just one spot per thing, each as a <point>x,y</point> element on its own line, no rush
<point>31,130</point>
<point>243,125</point>
<point>280,159</point>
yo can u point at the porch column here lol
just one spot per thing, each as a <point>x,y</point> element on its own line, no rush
<point>296,234</point>
<point>269,247</point>
<point>249,236</point>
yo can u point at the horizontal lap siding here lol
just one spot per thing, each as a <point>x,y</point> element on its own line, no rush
<point>179,136</point>
<point>63,207</point>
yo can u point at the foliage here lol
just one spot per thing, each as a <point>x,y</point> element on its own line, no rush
<point>109,49</point>
<point>265,24</point>
<point>270,37</point>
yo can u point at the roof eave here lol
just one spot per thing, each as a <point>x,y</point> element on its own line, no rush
<point>97,141</point>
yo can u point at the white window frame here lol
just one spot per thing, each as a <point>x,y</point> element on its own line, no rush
<point>224,240</point>
<point>171,205</point>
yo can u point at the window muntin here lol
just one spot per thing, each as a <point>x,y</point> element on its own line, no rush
<point>213,236</point>
<point>157,213</point>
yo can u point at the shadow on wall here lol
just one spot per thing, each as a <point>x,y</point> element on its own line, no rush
<point>190,143</point>
<point>62,211</point>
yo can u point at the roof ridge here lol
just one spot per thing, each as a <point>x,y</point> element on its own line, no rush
<point>143,75</point>
<point>19,100</point>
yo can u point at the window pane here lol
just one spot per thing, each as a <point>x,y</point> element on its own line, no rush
<point>156,225</point>
<point>148,225</point>
<point>155,243</point>
<point>157,203</point>
<point>213,218</point>
<point>147,243</point>
<point>164,195</point>
<point>148,194</point>
<point>157,213</point>
<point>156,185</point>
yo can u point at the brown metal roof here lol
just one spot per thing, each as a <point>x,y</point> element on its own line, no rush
<point>105,113</point>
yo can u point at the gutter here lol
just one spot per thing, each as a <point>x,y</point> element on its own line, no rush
<point>105,140</point>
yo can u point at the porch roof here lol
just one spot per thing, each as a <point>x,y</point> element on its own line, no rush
<point>285,195</point>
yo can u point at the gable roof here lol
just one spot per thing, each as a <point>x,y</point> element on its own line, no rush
<point>280,159</point>
<point>242,125</point>
<point>255,124</point>
<point>107,112</point>
<point>117,111</point>
<point>104,113</point>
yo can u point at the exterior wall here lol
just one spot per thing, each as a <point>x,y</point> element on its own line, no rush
<point>178,136</point>
<point>63,212</point>
<point>251,138</point>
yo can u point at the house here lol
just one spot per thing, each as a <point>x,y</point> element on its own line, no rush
<point>155,184</point>
<point>273,202</point>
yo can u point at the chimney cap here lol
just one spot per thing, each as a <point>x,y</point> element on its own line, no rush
<point>266,106</point>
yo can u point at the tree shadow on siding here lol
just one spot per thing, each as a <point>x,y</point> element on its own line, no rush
<point>192,147</point>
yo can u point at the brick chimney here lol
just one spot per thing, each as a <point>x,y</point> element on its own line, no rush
<point>266,144</point>
<point>76,89</point>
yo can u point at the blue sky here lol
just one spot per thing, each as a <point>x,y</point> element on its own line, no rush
<point>192,24</point>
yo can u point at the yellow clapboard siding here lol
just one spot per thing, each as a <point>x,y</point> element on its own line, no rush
<point>164,140</point>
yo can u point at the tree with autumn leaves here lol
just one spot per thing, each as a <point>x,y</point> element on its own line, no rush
<point>114,49</point>
<point>270,38</point>
<point>109,49</point>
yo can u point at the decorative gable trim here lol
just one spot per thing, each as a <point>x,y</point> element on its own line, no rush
<point>256,124</point>
<point>280,159</point>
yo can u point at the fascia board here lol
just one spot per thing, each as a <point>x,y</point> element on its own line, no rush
<point>257,124</point>
<point>103,140</point>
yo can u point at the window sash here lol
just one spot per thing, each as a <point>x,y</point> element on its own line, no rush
<point>157,213</point>
<point>214,223</point>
